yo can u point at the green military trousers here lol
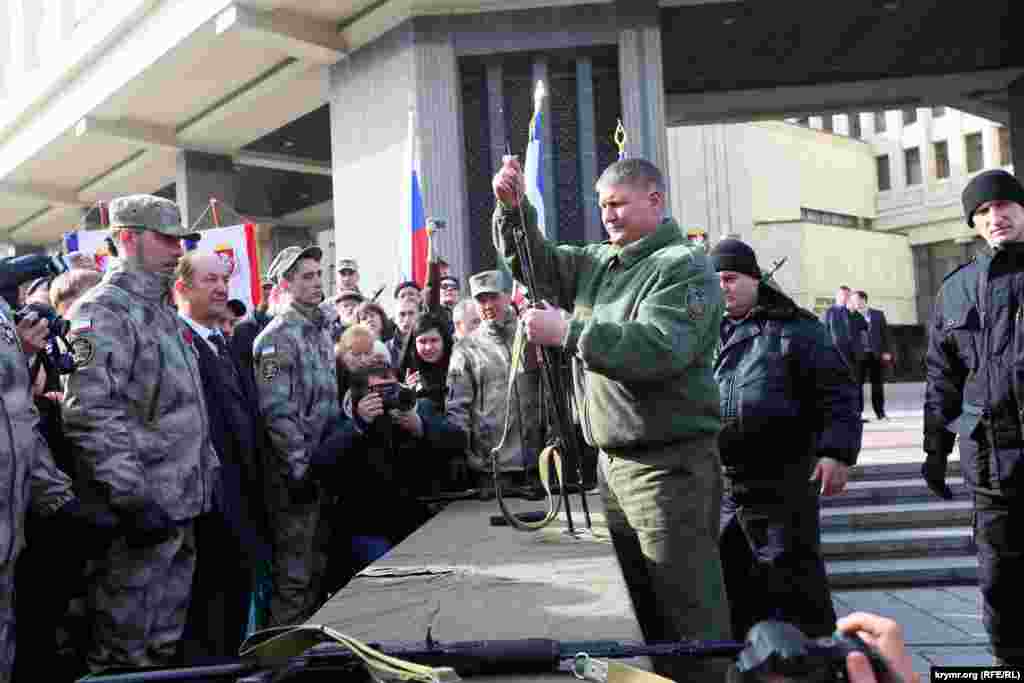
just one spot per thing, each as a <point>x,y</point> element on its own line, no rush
<point>662,507</point>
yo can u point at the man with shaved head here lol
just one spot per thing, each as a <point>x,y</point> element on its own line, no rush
<point>230,542</point>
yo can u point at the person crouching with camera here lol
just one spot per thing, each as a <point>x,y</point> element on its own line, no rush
<point>382,454</point>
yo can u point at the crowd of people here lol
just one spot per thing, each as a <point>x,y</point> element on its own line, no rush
<point>218,469</point>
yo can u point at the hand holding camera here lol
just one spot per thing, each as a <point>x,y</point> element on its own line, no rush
<point>370,407</point>
<point>33,332</point>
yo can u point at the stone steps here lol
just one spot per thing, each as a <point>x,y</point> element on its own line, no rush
<point>935,513</point>
<point>909,469</point>
<point>893,543</point>
<point>892,491</point>
<point>905,572</point>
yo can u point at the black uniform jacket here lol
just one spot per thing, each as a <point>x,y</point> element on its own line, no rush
<point>787,396</point>
<point>975,368</point>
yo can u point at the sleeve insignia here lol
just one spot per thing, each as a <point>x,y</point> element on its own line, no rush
<point>269,368</point>
<point>8,334</point>
<point>696,303</point>
<point>83,350</point>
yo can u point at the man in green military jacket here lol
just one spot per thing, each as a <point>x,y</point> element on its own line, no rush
<point>645,311</point>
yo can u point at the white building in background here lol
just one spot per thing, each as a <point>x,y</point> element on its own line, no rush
<point>870,200</point>
<point>924,157</point>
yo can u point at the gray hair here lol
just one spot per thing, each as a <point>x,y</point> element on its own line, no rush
<point>461,308</point>
<point>638,173</point>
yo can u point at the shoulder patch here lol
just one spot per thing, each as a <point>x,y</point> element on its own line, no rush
<point>269,364</point>
<point>696,303</point>
<point>269,368</point>
<point>8,334</point>
<point>83,350</point>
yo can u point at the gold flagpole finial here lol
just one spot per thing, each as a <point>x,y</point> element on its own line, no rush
<point>621,138</point>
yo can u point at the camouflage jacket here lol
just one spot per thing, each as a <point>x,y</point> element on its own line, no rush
<point>27,471</point>
<point>477,385</point>
<point>134,406</point>
<point>297,384</point>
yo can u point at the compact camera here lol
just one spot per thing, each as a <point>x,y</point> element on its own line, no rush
<point>396,396</point>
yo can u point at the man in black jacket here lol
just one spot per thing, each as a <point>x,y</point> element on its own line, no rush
<point>840,330</point>
<point>231,541</point>
<point>790,432</point>
<point>975,391</point>
<point>375,463</point>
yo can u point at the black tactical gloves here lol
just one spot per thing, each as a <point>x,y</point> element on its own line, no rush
<point>303,491</point>
<point>94,524</point>
<point>146,525</point>
<point>934,472</point>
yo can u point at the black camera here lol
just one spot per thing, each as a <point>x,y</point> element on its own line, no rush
<point>19,269</point>
<point>777,651</point>
<point>396,396</point>
<point>57,328</point>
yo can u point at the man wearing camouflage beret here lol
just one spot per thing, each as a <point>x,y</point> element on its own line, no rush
<point>134,409</point>
<point>298,392</point>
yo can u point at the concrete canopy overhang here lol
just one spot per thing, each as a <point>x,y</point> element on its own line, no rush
<point>152,77</point>
<point>143,79</point>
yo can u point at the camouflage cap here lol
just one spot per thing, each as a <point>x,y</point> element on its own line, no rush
<point>149,213</point>
<point>288,258</point>
<point>349,294</point>
<point>487,282</point>
<point>348,264</point>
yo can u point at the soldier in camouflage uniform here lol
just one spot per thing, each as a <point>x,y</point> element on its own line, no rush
<point>134,411</point>
<point>478,383</point>
<point>27,472</point>
<point>298,393</point>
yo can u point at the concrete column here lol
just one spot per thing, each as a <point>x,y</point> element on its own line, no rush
<point>373,89</point>
<point>496,112</point>
<point>1016,91</point>
<point>587,149</point>
<point>201,177</point>
<point>438,96</point>
<point>642,81</point>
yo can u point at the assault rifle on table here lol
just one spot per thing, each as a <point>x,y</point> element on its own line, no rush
<point>312,653</point>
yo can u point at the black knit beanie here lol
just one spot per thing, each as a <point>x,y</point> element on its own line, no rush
<point>737,256</point>
<point>990,186</point>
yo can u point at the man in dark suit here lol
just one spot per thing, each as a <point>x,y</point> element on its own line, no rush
<point>837,322</point>
<point>231,542</point>
<point>876,351</point>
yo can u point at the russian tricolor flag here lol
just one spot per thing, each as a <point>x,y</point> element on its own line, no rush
<point>419,233</point>
<point>412,257</point>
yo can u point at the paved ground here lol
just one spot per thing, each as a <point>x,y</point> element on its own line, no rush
<point>942,625</point>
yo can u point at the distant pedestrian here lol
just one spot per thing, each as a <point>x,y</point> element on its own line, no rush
<point>876,354</point>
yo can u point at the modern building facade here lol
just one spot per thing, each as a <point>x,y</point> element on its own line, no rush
<point>797,193</point>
